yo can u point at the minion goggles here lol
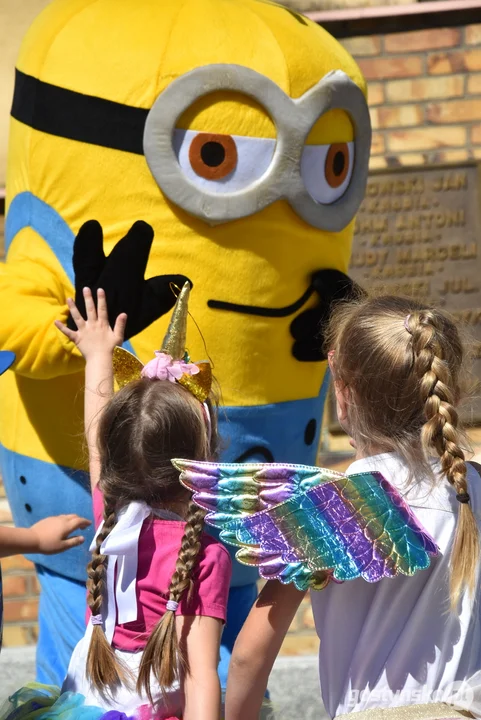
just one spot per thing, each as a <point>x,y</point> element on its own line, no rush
<point>284,167</point>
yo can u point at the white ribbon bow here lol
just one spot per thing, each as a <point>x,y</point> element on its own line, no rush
<point>122,548</point>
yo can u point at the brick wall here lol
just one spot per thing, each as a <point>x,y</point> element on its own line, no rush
<point>425,95</point>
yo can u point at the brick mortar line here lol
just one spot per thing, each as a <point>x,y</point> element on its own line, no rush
<point>430,101</point>
<point>429,125</point>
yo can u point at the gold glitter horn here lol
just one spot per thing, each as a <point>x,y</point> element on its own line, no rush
<point>127,367</point>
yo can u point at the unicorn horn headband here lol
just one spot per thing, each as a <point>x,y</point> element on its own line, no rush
<point>172,361</point>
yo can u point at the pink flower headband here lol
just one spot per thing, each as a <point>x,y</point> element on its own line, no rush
<point>163,367</point>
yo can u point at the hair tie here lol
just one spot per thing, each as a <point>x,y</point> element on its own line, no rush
<point>406,323</point>
<point>96,620</point>
<point>463,497</point>
<point>172,605</point>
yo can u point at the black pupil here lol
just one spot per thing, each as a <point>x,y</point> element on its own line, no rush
<point>338,163</point>
<point>212,154</point>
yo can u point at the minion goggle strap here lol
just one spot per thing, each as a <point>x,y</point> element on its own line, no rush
<point>242,175</point>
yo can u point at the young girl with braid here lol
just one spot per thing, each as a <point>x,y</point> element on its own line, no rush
<point>158,586</point>
<point>399,648</point>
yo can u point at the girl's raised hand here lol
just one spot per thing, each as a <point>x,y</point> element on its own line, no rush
<point>94,335</point>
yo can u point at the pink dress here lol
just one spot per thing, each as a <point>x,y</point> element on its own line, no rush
<point>142,551</point>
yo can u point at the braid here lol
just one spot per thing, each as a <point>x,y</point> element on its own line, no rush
<point>102,668</point>
<point>162,654</point>
<point>441,432</point>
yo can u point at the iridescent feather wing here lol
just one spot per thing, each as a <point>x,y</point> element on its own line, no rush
<point>232,491</point>
<point>296,521</point>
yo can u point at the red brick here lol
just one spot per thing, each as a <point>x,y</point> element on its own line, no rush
<point>411,159</point>
<point>16,562</point>
<point>476,134</point>
<point>454,111</point>
<point>422,40</point>
<point>474,84</point>
<point>378,145</point>
<point>473,34</point>
<point>425,88</point>
<point>376,162</point>
<point>401,116</point>
<point>426,138</point>
<point>14,585</point>
<point>362,46</point>
<point>16,610</point>
<point>375,93</point>
<point>452,62</point>
<point>389,67</point>
<point>454,156</point>
<point>34,585</point>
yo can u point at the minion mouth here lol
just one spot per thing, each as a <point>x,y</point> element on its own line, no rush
<point>262,311</point>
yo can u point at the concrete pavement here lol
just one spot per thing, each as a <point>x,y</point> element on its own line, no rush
<point>293,684</point>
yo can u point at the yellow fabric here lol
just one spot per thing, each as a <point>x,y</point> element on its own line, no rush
<point>128,52</point>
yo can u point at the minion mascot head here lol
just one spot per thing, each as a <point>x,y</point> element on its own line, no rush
<point>239,131</point>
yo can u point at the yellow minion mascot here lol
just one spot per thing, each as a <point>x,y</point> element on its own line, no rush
<point>238,132</point>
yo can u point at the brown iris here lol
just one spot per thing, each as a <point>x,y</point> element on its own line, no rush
<point>213,156</point>
<point>337,164</point>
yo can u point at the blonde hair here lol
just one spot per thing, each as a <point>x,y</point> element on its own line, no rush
<point>145,425</point>
<point>402,364</point>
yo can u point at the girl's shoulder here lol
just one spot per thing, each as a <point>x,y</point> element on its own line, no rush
<point>214,548</point>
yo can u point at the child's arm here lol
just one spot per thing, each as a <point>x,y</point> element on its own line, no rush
<point>256,648</point>
<point>199,640</point>
<point>47,537</point>
<point>96,341</point>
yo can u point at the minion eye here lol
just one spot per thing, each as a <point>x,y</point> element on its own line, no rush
<point>213,157</point>
<point>326,170</point>
<point>222,163</point>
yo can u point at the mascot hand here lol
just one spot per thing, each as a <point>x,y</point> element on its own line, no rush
<point>121,275</point>
<point>307,328</point>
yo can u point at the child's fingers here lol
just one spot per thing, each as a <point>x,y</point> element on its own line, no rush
<point>102,306</point>
<point>119,328</point>
<point>71,334</point>
<point>77,523</point>
<point>89,305</point>
<point>76,316</point>
<point>73,542</point>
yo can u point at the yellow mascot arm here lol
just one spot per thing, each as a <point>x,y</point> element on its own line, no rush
<point>33,293</point>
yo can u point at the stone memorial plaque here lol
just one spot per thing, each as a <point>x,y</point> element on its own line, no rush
<point>417,234</point>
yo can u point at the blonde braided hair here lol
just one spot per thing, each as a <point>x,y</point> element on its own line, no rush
<point>440,432</point>
<point>162,656</point>
<point>400,364</point>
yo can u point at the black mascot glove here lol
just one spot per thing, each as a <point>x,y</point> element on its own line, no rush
<point>307,328</point>
<point>121,275</point>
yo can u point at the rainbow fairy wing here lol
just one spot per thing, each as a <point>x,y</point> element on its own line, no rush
<point>231,491</point>
<point>294,521</point>
<point>357,526</point>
